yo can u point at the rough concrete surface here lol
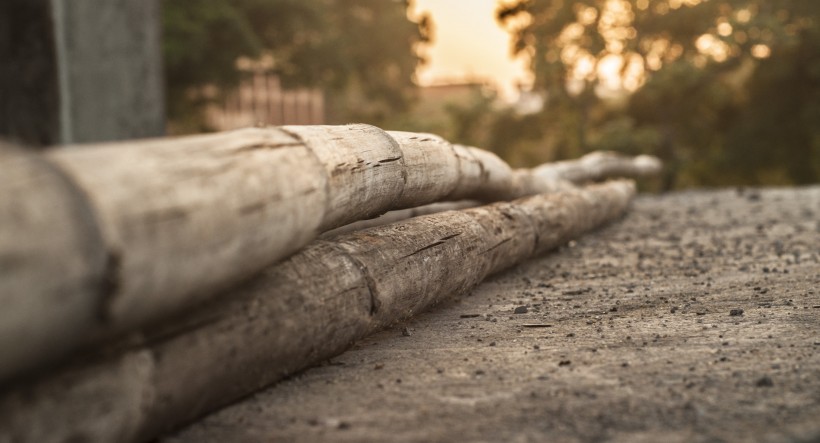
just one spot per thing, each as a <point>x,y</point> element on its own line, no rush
<point>694,318</point>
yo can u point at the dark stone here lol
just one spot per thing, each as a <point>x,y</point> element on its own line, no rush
<point>764,382</point>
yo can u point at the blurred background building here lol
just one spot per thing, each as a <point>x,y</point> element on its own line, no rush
<point>260,100</point>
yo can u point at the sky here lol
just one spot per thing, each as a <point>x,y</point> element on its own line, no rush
<point>469,44</point>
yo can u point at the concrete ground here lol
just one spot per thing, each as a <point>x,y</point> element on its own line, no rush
<point>694,318</point>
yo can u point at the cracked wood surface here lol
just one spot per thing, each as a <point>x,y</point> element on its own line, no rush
<point>696,318</point>
<point>182,219</point>
<point>304,310</point>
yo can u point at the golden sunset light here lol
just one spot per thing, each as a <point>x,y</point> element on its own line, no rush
<point>469,45</point>
<point>409,220</point>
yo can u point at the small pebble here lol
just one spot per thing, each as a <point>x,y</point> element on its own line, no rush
<point>764,382</point>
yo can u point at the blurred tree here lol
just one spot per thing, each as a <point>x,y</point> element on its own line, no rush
<point>725,91</point>
<point>469,121</point>
<point>362,53</point>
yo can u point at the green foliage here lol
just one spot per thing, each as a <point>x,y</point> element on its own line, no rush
<point>519,139</point>
<point>782,110</point>
<point>361,52</point>
<point>469,121</point>
<point>191,31</point>
<point>725,91</point>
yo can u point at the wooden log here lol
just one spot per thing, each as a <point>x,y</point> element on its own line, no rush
<point>180,216</point>
<point>305,310</point>
<point>401,215</point>
<point>179,219</point>
<point>509,184</point>
<point>184,218</point>
<point>597,166</point>
<point>52,261</point>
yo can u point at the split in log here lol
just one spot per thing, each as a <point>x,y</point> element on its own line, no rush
<point>178,220</point>
<point>401,215</point>
<point>302,311</point>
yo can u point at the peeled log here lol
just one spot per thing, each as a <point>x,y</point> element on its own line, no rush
<point>302,311</point>
<point>178,220</point>
<point>598,166</point>
<point>182,219</point>
<point>401,215</point>
<point>549,177</point>
<point>52,261</point>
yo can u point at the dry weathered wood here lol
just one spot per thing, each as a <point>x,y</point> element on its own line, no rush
<point>52,261</point>
<point>308,308</point>
<point>507,184</point>
<point>400,215</point>
<point>598,166</point>
<point>641,346</point>
<point>183,218</point>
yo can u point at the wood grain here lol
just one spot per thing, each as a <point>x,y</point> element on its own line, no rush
<point>302,311</point>
<point>179,220</point>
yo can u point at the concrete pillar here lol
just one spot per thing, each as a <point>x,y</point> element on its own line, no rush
<point>29,102</point>
<point>80,70</point>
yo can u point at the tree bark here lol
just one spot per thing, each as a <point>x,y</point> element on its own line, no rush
<point>302,311</point>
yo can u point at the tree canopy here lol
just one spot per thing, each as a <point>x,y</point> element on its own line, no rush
<point>725,90</point>
<point>349,48</point>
